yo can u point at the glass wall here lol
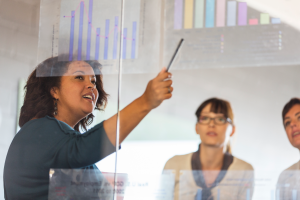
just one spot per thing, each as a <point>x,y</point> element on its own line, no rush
<point>226,127</point>
<point>238,65</point>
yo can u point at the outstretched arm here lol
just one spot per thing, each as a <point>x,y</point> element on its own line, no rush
<point>158,90</point>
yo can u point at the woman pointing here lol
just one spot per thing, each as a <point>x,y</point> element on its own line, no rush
<point>55,108</point>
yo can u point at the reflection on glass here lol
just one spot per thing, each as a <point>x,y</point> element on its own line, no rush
<point>210,172</point>
<point>231,184</point>
<point>80,184</point>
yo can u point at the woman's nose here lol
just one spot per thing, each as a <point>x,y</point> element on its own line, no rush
<point>212,122</point>
<point>91,86</point>
<point>294,123</point>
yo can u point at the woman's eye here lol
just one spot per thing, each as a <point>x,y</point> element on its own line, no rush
<point>299,118</point>
<point>203,118</point>
<point>221,119</point>
<point>79,77</point>
<point>287,123</point>
<point>94,82</point>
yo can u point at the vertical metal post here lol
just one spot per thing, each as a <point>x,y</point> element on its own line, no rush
<point>119,96</point>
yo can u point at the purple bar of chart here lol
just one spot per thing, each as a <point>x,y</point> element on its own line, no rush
<point>80,31</point>
<point>89,35</point>
<point>115,48</point>
<point>178,14</point>
<point>71,47</point>
<point>106,39</point>
<point>97,44</point>
<point>133,48</point>
<point>124,43</point>
<point>242,14</point>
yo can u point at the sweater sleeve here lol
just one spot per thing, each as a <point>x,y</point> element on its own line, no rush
<point>81,150</point>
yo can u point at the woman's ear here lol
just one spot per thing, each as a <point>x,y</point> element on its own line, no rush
<point>232,131</point>
<point>54,92</point>
<point>196,129</point>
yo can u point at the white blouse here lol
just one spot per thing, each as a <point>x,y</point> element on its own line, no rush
<point>237,183</point>
<point>288,184</point>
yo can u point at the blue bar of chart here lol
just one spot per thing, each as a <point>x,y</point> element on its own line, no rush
<point>115,50</point>
<point>97,44</point>
<point>90,35</point>
<point>80,31</point>
<point>133,40</point>
<point>124,43</point>
<point>106,39</point>
<point>210,14</point>
<point>72,36</point>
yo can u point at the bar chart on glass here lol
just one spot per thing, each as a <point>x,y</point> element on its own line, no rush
<point>91,30</point>
<point>190,14</point>
<point>227,33</point>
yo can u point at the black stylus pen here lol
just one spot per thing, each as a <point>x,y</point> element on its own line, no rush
<point>175,53</point>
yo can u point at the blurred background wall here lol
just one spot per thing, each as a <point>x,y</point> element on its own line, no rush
<point>19,25</point>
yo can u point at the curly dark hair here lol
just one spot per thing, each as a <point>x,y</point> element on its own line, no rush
<point>38,101</point>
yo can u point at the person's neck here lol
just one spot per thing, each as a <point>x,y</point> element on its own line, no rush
<point>69,119</point>
<point>211,157</point>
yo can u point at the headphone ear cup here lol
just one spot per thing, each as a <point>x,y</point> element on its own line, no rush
<point>229,130</point>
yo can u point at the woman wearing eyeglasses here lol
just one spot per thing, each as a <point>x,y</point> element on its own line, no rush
<point>212,172</point>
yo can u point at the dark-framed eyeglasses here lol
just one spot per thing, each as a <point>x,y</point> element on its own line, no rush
<point>217,120</point>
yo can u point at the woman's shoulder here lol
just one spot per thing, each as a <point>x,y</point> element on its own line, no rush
<point>47,124</point>
<point>290,170</point>
<point>289,175</point>
<point>182,162</point>
<point>295,166</point>
<point>239,164</point>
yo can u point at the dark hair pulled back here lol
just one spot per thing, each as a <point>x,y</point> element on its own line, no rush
<point>38,101</point>
<point>288,106</point>
<point>217,106</point>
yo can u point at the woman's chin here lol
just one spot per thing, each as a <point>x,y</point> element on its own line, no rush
<point>86,112</point>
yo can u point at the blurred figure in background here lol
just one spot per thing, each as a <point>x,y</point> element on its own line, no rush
<point>288,184</point>
<point>200,175</point>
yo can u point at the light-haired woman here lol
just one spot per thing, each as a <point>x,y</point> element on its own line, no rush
<point>212,172</point>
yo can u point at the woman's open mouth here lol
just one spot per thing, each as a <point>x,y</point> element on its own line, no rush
<point>89,96</point>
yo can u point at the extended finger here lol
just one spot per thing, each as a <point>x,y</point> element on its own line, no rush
<point>167,83</point>
<point>162,76</point>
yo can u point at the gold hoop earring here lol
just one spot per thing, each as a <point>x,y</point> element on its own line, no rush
<point>55,107</point>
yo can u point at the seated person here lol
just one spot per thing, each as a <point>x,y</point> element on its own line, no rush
<point>200,175</point>
<point>288,182</point>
